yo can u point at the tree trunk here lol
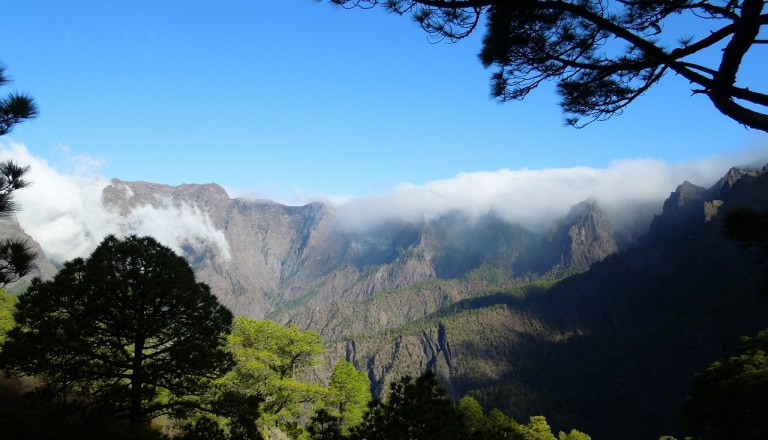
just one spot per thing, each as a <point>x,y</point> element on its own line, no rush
<point>137,381</point>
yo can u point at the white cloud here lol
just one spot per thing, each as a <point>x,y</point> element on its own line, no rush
<point>64,212</point>
<point>174,225</point>
<point>534,197</point>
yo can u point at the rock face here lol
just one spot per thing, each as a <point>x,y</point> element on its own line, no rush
<point>262,258</point>
<point>476,299</point>
<point>585,236</point>
<point>635,328</point>
<point>267,252</point>
<point>273,255</point>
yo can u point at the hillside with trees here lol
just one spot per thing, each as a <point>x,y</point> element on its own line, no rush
<point>128,335</point>
<point>636,326</point>
<point>450,327</point>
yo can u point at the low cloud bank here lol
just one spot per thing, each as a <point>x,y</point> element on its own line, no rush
<point>64,212</point>
<point>535,197</point>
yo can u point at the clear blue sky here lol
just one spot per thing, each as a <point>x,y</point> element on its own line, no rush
<point>296,95</point>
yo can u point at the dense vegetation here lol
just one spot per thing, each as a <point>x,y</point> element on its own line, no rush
<point>128,334</point>
<point>729,398</point>
<point>262,387</point>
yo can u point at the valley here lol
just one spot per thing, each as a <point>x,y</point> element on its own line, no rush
<point>598,324</point>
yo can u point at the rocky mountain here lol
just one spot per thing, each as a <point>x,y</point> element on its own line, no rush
<point>265,258</point>
<point>611,351</point>
<point>598,326</point>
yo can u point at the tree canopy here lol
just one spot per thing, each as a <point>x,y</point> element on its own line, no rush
<point>604,54</point>
<point>129,329</point>
<point>15,107</point>
<point>348,396</point>
<point>729,398</point>
<point>269,358</point>
<point>7,307</point>
<point>417,409</point>
<point>16,258</point>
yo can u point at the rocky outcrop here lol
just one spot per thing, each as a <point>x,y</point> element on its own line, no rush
<point>262,258</point>
<point>453,294</point>
<point>584,237</point>
<point>269,253</point>
<point>636,327</point>
<point>684,208</point>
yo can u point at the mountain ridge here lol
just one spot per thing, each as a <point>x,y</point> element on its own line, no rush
<point>271,255</point>
<point>563,321</point>
<point>634,328</point>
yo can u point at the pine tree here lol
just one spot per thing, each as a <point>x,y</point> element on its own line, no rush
<point>605,56</point>
<point>129,329</point>
<point>16,257</point>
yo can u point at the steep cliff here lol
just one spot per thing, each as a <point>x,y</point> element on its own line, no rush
<point>486,302</point>
<point>262,258</point>
<point>584,237</point>
<point>612,350</point>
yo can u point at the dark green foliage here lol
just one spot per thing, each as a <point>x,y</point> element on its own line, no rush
<point>205,428</point>
<point>747,226</point>
<point>230,415</point>
<point>25,419</point>
<point>15,107</point>
<point>324,426</point>
<point>415,410</point>
<point>602,56</point>
<point>241,413</point>
<point>750,228</point>
<point>16,258</point>
<point>499,426</point>
<point>348,395</point>
<point>472,413</point>
<point>129,329</point>
<point>730,399</point>
<point>7,308</point>
<point>11,180</point>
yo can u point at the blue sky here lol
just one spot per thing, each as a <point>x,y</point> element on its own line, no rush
<point>296,99</point>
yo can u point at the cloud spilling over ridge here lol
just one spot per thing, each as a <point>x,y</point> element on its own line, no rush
<point>64,213</point>
<point>535,197</point>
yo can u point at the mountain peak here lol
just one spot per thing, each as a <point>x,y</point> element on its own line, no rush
<point>734,174</point>
<point>586,235</point>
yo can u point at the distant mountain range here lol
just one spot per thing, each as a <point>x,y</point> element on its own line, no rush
<point>279,257</point>
<point>596,324</point>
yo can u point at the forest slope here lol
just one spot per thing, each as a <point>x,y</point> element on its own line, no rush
<point>611,351</point>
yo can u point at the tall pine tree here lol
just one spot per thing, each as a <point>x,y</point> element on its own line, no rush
<point>129,329</point>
